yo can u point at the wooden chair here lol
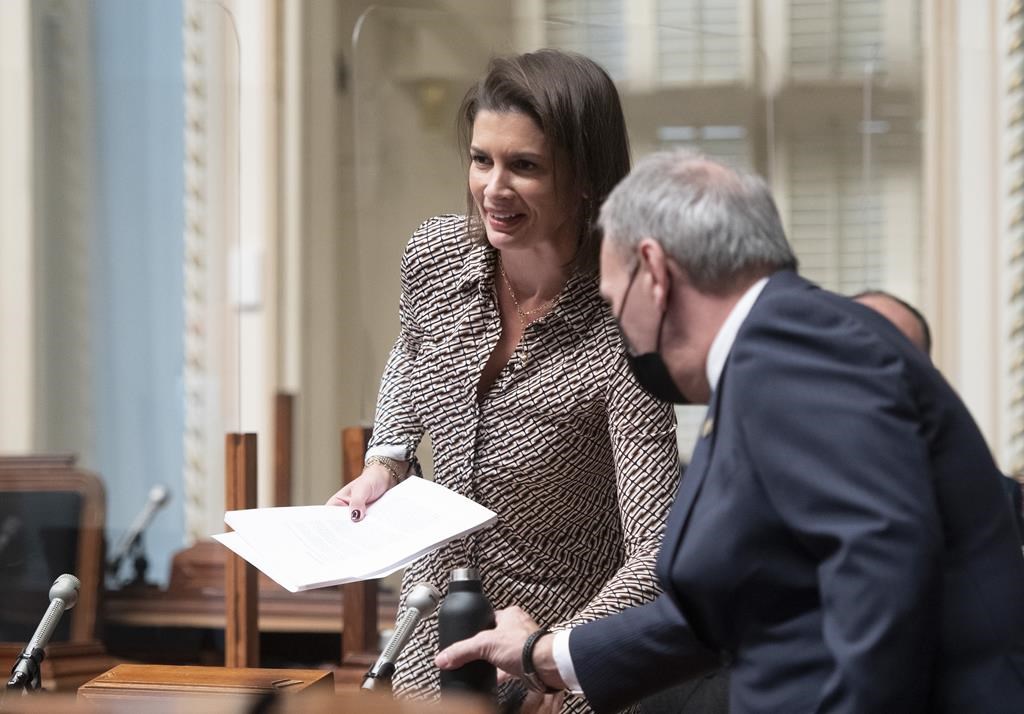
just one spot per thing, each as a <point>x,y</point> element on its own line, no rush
<point>284,428</point>
<point>52,517</point>
<point>360,637</point>
<point>241,593</point>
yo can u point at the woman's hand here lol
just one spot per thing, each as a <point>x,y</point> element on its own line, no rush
<point>366,488</point>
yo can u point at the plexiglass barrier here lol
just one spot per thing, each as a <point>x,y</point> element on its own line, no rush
<point>134,329</point>
<point>834,128</point>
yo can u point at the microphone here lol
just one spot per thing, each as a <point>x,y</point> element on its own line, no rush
<point>422,601</point>
<point>63,596</point>
<point>158,498</point>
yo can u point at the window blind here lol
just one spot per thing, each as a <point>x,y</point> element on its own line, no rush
<point>835,39</point>
<point>698,41</point>
<point>836,219</point>
<point>595,28</point>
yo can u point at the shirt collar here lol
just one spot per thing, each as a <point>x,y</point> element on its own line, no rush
<point>722,344</point>
<point>478,266</point>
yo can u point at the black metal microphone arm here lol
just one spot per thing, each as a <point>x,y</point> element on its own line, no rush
<point>131,542</point>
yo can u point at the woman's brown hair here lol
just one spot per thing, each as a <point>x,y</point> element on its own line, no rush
<point>576,106</point>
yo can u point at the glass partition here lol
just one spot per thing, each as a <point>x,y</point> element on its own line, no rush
<point>135,362</point>
<point>826,104</point>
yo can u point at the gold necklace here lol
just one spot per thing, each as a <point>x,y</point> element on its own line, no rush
<point>523,314</point>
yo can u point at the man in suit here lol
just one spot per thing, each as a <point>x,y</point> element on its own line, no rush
<point>901,313</point>
<point>839,538</point>
<point>913,324</point>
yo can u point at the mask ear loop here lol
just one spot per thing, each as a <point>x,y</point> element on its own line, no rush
<point>661,322</point>
<point>622,308</point>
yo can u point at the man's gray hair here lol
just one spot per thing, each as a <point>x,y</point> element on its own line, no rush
<point>719,223</point>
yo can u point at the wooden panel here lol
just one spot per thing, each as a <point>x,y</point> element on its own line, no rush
<point>353,450</point>
<point>241,633</point>
<point>284,421</point>
<point>359,643</point>
<point>195,598</point>
<point>67,666</point>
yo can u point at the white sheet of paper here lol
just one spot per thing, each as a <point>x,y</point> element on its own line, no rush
<point>304,547</point>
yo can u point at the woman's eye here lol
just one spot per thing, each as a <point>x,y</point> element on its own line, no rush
<point>524,165</point>
<point>479,159</point>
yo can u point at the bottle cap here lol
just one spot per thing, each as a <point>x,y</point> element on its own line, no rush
<point>461,574</point>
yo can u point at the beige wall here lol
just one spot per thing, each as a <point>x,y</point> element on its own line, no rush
<point>17,376</point>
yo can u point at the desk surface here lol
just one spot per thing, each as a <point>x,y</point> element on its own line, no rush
<point>141,680</point>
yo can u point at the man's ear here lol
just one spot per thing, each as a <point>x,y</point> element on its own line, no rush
<point>654,264</point>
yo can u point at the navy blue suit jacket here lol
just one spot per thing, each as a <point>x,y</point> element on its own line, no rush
<point>840,537</point>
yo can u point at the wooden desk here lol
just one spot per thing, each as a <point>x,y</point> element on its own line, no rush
<point>279,610</point>
<point>140,686</point>
<point>155,688</point>
<point>67,666</point>
<point>195,598</point>
<point>308,702</point>
<point>182,625</point>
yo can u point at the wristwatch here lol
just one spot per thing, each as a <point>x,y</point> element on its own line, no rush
<point>392,465</point>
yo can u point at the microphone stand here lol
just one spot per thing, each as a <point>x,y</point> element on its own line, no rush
<point>140,563</point>
<point>379,681</point>
<point>130,544</point>
<point>25,673</point>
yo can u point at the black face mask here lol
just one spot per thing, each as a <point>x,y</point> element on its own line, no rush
<point>650,369</point>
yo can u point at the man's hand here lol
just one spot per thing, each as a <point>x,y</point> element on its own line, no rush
<point>503,647</point>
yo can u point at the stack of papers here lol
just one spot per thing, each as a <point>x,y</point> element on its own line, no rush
<point>306,547</point>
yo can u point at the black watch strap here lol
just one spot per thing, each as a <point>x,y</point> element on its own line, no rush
<point>530,676</point>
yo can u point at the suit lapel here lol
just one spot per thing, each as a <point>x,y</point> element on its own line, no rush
<point>693,477</point>
<point>700,462</point>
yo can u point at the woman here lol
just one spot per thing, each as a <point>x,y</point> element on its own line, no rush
<point>508,357</point>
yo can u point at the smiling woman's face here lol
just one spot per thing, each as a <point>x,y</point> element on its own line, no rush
<point>521,197</point>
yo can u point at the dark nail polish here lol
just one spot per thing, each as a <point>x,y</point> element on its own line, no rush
<point>356,514</point>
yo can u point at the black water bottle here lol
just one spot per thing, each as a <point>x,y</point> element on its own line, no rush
<point>463,613</point>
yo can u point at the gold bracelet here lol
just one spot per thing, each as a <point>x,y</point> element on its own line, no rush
<point>390,464</point>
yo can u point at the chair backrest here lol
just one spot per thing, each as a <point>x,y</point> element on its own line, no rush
<point>241,591</point>
<point>284,428</point>
<point>359,638</point>
<point>52,517</point>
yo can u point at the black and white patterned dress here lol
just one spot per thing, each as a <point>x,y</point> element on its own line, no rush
<point>579,463</point>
